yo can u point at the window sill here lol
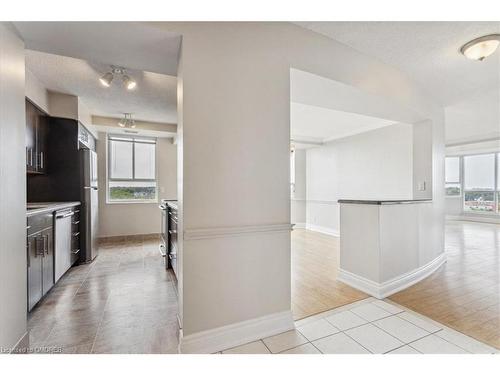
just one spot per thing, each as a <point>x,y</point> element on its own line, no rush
<point>132,202</point>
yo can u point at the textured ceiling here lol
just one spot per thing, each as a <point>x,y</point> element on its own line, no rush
<point>154,99</point>
<point>317,124</point>
<point>427,51</point>
<point>132,44</point>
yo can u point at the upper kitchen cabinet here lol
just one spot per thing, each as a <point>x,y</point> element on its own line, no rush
<point>36,139</point>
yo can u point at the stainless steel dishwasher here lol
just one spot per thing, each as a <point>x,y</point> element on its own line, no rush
<point>63,242</point>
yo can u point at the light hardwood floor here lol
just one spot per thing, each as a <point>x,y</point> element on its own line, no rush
<point>315,289</point>
<point>464,294</point>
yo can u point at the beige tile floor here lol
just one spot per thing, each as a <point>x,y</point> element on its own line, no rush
<point>123,302</point>
<point>364,327</point>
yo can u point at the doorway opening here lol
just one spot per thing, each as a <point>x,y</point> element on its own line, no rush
<point>345,144</point>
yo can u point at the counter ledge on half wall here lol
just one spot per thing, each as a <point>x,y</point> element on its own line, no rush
<point>383,202</point>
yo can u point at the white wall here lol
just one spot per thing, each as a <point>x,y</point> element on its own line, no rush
<point>477,118</point>
<point>298,203</point>
<point>63,105</point>
<point>12,189</point>
<point>235,88</point>
<point>372,165</point>
<point>36,91</point>
<point>122,219</point>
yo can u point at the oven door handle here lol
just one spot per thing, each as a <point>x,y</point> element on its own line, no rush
<point>163,250</point>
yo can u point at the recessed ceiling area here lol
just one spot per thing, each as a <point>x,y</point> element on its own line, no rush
<point>154,98</point>
<point>319,125</point>
<point>428,52</point>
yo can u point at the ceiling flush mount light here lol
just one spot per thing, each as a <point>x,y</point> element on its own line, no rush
<point>480,48</point>
<point>108,77</point>
<point>127,121</point>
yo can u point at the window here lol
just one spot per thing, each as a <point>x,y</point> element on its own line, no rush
<point>452,176</point>
<point>131,169</point>
<point>480,183</point>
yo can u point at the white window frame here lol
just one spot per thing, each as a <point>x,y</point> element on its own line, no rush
<point>496,190</point>
<point>460,178</point>
<point>134,139</point>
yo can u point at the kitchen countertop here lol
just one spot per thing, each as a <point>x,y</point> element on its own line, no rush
<point>35,208</point>
<point>406,201</point>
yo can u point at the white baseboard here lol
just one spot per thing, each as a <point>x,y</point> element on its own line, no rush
<point>475,218</point>
<point>299,226</point>
<point>324,230</point>
<point>226,337</point>
<point>387,288</point>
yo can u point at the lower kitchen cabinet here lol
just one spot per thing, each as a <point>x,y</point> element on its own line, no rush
<point>40,257</point>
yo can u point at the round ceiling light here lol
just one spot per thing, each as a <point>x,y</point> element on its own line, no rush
<point>480,48</point>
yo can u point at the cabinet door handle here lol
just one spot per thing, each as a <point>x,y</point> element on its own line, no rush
<point>46,244</point>
<point>28,250</point>
<point>37,247</point>
<point>31,157</point>
<point>41,159</point>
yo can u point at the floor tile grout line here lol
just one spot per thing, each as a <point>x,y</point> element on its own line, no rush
<point>400,317</point>
<point>266,346</point>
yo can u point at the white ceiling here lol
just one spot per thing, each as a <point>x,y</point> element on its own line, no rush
<point>134,45</point>
<point>427,51</point>
<point>310,123</point>
<point>154,99</point>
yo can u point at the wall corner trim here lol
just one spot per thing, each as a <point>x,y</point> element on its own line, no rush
<point>387,288</point>
<point>229,336</point>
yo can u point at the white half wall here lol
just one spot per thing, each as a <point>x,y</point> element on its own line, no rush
<point>13,296</point>
<point>125,219</point>
<point>374,165</point>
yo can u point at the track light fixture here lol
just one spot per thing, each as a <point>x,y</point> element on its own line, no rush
<point>108,77</point>
<point>127,121</point>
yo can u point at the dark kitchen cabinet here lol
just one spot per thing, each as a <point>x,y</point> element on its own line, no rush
<point>36,139</point>
<point>47,246</point>
<point>34,272</point>
<point>40,257</point>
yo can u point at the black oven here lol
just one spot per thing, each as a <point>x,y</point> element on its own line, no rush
<point>164,231</point>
